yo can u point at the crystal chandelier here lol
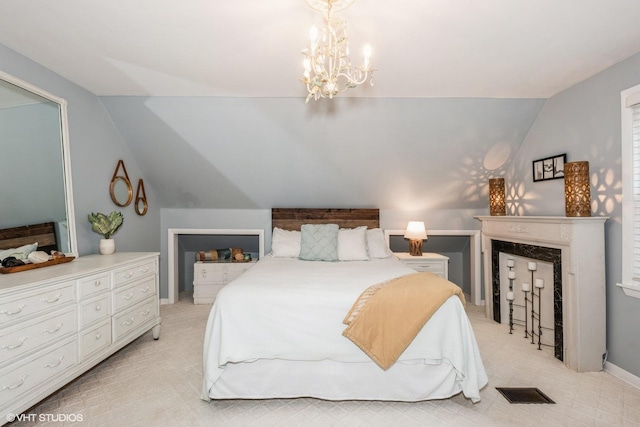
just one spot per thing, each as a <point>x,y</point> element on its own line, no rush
<point>327,67</point>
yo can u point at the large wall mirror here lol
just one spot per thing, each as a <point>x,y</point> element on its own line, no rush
<point>35,171</point>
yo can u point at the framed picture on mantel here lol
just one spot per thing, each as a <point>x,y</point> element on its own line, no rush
<point>549,168</point>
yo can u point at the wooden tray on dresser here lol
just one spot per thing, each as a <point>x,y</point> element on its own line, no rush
<point>18,268</point>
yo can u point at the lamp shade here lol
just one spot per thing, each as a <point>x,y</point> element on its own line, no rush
<point>415,230</point>
<point>577,189</point>
<point>416,233</point>
<point>497,203</point>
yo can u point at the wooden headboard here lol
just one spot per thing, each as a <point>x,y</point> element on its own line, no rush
<point>294,218</point>
<point>44,234</point>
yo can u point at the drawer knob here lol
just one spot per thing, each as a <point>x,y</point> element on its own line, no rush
<point>11,387</point>
<point>204,273</point>
<point>54,330</point>
<point>128,296</point>
<point>98,335</point>
<point>144,270</point>
<point>18,310</point>
<point>145,290</point>
<point>146,312</point>
<point>97,283</point>
<point>53,365</point>
<point>128,322</point>
<point>129,275</point>
<point>55,298</point>
<point>98,307</point>
<point>11,347</point>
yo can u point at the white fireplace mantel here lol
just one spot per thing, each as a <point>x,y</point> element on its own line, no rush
<point>581,241</point>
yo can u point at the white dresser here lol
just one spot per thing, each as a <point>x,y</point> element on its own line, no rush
<point>57,322</point>
<point>431,262</point>
<point>210,277</point>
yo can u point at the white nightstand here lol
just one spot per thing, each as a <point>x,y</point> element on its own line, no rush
<point>210,277</point>
<point>433,263</point>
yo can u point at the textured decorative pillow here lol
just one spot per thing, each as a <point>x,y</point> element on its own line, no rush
<point>376,244</point>
<point>20,253</point>
<point>285,243</point>
<point>352,244</point>
<point>319,242</point>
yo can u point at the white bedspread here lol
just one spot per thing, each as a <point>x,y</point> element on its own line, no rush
<point>289,309</point>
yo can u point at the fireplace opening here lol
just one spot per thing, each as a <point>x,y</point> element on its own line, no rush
<point>552,256</point>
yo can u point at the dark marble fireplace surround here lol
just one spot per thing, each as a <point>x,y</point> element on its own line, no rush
<point>538,253</point>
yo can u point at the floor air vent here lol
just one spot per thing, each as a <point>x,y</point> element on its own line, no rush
<point>524,395</point>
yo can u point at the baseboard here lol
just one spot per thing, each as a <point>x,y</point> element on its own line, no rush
<point>625,376</point>
<point>164,301</point>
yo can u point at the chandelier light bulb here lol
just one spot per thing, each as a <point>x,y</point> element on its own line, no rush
<point>313,33</point>
<point>367,55</point>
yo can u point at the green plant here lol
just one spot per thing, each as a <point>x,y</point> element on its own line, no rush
<point>106,225</point>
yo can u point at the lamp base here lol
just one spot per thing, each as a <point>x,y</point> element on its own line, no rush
<point>415,247</point>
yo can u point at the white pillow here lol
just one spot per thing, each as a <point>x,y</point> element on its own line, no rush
<point>285,243</point>
<point>20,253</point>
<point>352,244</point>
<point>377,245</point>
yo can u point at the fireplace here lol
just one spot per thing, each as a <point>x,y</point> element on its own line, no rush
<point>575,247</point>
<point>539,253</point>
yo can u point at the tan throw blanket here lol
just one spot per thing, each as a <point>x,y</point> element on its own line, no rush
<point>387,317</point>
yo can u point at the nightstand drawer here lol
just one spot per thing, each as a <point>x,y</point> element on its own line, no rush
<point>431,267</point>
<point>428,262</point>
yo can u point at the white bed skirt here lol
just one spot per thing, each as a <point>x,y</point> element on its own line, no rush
<point>331,380</point>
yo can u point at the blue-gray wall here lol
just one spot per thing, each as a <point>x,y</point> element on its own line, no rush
<point>96,146</point>
<point>223,162</point>
<point>585,122</point>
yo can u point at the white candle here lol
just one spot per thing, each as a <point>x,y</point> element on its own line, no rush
<point>526,287</point>
<point>512,275</point>
<point>539,283</point>
<point>509,296</point>
<point>532,266</point>
<point>510,263</point>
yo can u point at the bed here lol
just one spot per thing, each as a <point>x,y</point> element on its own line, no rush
<point>277,330</point>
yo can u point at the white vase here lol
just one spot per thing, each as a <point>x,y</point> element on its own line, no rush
<point>107,246</point>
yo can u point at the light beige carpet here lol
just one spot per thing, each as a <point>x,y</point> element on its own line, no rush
<point>157,383</point>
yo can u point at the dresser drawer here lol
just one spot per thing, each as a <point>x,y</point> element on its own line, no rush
<point>20,339</point>
<point>94,285</point>
<point>127,297</point>
<point>94,310</point>
<point>29,303</point>
<point>18,379</point>
<point>95,339</point>
<point>124,276</point>
<point>131,319</point>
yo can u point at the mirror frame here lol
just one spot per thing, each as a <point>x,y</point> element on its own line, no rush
<point>127,182</point>
<point>66,158</point>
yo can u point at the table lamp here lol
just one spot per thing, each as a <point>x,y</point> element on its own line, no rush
<point>416,233</point>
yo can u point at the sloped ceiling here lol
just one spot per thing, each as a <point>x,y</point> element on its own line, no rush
<point>251,48</point>
<point>206,93</point>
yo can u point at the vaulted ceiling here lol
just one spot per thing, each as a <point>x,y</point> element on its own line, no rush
<point>251,48</point>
